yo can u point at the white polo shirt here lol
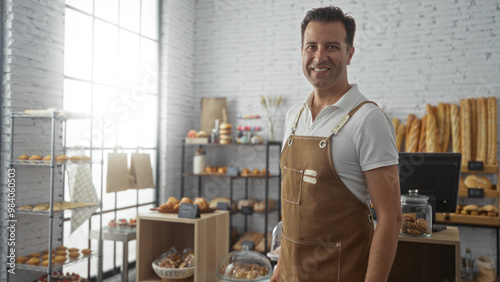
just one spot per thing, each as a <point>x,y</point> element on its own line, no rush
<point>367,141</point>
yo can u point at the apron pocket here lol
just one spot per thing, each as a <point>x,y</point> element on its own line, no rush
<point>292,185</point>
<point>305,261</point>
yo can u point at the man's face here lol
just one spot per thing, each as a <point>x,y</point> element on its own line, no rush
<point>324,54</point>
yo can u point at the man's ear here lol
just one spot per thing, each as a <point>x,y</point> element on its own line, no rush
<point>350,53</point>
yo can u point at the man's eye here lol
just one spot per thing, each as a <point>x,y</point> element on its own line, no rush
<point>310,47</point>
<point>333,47</point>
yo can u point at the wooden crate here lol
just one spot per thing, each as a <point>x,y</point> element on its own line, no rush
<point>208,236</point>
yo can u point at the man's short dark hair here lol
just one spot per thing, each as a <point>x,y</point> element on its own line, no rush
<point>330,14</point>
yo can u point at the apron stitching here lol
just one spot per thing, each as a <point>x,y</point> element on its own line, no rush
<point>336,244</point>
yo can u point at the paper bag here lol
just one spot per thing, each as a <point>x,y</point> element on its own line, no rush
<point>117,178</point>
<point>140,172</point>
<point>211,109</point>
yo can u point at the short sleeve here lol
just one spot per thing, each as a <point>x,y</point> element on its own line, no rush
<point>376,143</point>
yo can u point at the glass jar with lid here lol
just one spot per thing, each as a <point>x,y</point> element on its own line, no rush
<point>417,215</point>
<point>244,265</point>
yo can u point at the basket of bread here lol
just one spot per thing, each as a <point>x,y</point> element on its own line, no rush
<point>174,267</point>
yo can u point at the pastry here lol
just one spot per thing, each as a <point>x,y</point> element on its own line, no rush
<point>35,158</point>
<point>34,255</point>
<point>400,135</point>
<point>213,203</point>
<point>60,159</point>
<point>208,169</point>
<point>225,139</point>
<point>46,262</point>
<point>33,261</point>
<point>86,252</point>
<point>255,171</point>
<point>46,256</point>
<point>24,208</point>
<point>201,202</point>
<point>176,207</point>
<point>476,181</point>
<point>186,200</point>
<point>60,259</point>
<point>73,255</point>
<point>455,128</point>
<point>413,136</point>
<point>85,159</point>
<point>73,250</point>
<point>40,208</point>
<point>482,128</point>
<point>447,128</point>
<point>245,172</point>
<point>61,248</point>
<point>409,120</point>
<point>47,158</point>
<point>465,131</point>
<point>22,260</point>
<point>23,158</point>
<point>264,171</point>
<point>491,154</point>
<point>222,169</point>
<point>421,141</point>
<point>431,131</point>
<point>61,252</point>
<point>75,159</point>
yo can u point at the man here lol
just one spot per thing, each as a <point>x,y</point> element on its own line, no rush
<point>339,154</point>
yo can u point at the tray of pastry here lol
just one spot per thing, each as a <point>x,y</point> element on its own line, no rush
<point>207,210</point>
<point>43,209</point>
<point>60,258</point>
<point>172,205</point>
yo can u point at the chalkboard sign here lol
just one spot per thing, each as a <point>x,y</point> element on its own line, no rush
<point>250,244</point>
<point>222,206</point>
<point>247,210</point>
<point>475,193</point>
<point>475,166</point>
<point>189,211</point>
<point>232,171</point>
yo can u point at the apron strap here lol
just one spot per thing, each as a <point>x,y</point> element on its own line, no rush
<point>294,126</point>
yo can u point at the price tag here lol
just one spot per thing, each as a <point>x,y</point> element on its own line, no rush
<point>232,171</point>
<point>250,244</point>
<point>247,210</point>
<point>475,166</point>
<point>189,211</point>
<point>475,193</point>
<point>222,206</point>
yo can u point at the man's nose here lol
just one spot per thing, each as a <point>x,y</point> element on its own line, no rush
<point>320,55</point>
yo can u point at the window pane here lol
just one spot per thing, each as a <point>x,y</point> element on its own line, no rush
<point>149,65</point>
<point>128,60</point>
<point>76,96</point>
<point>78,45</point>
<point>107,10</point>
<point>84,5</point>
<point>110,106</point>
<point>149,18</point>
<point>130,14</point>
<point>147,112</point>
<point>105,52</point>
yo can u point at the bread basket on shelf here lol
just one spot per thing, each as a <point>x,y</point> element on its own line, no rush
<point>172,274</point>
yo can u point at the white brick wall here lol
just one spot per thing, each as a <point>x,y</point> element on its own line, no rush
<point>33,78</point>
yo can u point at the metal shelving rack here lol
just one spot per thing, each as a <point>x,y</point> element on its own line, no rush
<point>267,177</point>
<point>54,117</point>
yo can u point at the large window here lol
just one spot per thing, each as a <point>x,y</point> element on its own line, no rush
<point>111,72</point>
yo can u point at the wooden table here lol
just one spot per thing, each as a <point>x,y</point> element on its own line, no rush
<point>208,236</point>
<point>434,258</point>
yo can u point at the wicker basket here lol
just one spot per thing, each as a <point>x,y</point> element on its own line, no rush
<point>172,274</point>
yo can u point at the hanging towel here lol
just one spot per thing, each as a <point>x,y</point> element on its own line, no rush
<point>81,189</point>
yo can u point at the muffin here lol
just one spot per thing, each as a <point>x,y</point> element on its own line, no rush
<point>22,260</point>
<point>60,259</point>
<point>73,250</point>
<point>86,252</point>
<point>46,262</point>
<point>33,261</point>
<point>73,255</point>
<point>34,255</point>
<point>61,253</point>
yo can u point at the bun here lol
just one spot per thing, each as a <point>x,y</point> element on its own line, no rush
<point>173,200</point>
<point>33,261</point>
<point>63,248</point>
<point>176,207</point>
<point>225,125</point>
<point>61,158</point>
<point>256,171</point>
<point>35,158</point>
<point>61,252</point>
<point>201,202</point>
<point>23,158</point>
<point>186,200</point>
<point>470,208</point>
<point>86,252</point>
<point>475,181</point>
<point>245,172</point>
<point>74,255</point>
<point>60,259</point>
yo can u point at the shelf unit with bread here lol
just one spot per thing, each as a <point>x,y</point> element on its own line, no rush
<point>267,177</point>
<point>52,209</point>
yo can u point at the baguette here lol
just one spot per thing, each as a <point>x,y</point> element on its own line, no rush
<point>431,130</point>
<point>447,128</point>
<point>395,123</point>
<point>400,134</point>
<point>455,128</point>
<point>473,128</point>
<point>491,155</point>
<point>409,120</point>
<point>441,115</point>
<point>422,137</point>
<point>413,136</point>
<point>465,130</point>
<point>482,128</point>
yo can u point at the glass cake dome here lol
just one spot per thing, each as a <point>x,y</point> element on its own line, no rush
<point>244,265</point>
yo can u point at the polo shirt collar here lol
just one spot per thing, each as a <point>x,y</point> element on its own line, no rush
<point>346,103</point>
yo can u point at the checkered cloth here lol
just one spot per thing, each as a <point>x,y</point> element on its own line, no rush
<point>81,189</point>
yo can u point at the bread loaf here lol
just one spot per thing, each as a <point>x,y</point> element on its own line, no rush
<point>491,153</point>
<point>465,131</point>
<point>441,118</point>
<point>447,128</point>
<point>400,134</point>
<point>421,142</point>
<point>455,128</point>
<point>395,123</point>
<point>473,128</point>
<point>409,120</point>
<point>476,181</point>
<point>413,136</point>
<point>431,131</point>
<point>482,129</point>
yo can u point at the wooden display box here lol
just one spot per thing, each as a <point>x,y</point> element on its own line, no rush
<point>208,236</point>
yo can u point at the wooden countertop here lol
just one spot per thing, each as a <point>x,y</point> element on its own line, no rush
<point>448,236</point>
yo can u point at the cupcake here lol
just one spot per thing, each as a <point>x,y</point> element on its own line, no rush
<point>86,252</point>
<point>73,255</point>
<point>60,259</point>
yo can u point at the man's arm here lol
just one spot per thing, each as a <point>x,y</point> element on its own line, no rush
<point>276,273</point>
<point>383,185</point>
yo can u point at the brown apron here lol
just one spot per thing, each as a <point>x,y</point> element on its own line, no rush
<point>327,230</point>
